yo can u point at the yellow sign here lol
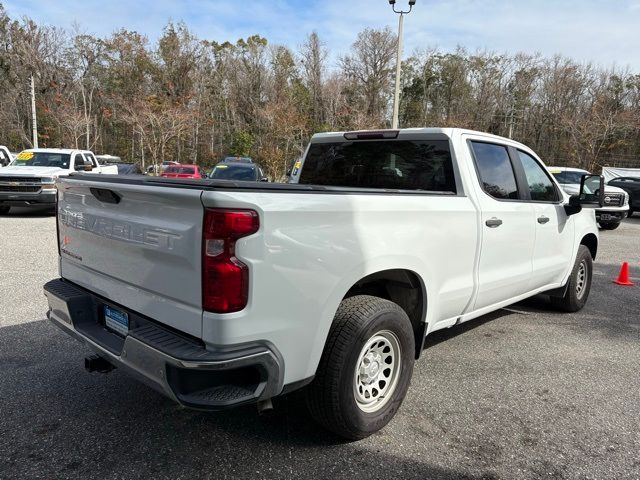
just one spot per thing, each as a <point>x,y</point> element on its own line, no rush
<point>221,166</point>
<point>555,170</point>
<point>25,156</point>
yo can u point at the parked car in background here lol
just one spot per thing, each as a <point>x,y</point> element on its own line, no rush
<point>105,159</point>
<point>237,160</point>
<point>631,185</point>
<point>244,291</point>
<point>616,200</point>
<point>182,171</point>
<point>162,167</point>
<point>129,169</point>
<point>30,179</point>
<point>245,172</point>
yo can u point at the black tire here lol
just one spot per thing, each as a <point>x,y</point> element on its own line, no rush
<point>4,210</point>
<point>609,225</point>
<point>576,297</point>
<point>331,398</point>
<point>631,212</point>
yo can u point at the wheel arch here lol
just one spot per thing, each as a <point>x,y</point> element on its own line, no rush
<point>403,287</point>
<point>590,241</point>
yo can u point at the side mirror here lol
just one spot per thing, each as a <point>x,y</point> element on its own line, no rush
<point>289,172</point>
<point>591,191</point>
<point>591,194</point>
<point>88,167</point>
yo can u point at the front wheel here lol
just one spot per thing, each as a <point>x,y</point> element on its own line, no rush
<point>365,368</point>
<point>609,225</point>
<point>4,210</point>
<point>579,283</point>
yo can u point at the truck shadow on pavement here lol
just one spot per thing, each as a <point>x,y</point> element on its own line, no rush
<point>611,311</point>
<point>61,422</point>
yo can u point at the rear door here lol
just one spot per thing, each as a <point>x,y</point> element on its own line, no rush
<point>137,245</point>
<point>507,225</point>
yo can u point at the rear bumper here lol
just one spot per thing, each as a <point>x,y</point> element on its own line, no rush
<point>27,199</point>
<point>177,366</point>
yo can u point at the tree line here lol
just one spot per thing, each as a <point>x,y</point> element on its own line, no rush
<point>196,100</point>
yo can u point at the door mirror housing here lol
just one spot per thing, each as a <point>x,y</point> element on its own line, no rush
<point>591,191</point>
<point>591,194</point>
<point>88,167</point>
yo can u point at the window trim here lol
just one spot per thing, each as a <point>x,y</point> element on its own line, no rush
<point>520,189</point>
<point>518,161</point>
<point>522,183</point>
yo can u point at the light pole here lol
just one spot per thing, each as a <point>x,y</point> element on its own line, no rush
<point>396,94</point>
<point>34,121</point>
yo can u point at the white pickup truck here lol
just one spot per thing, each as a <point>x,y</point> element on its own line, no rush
<point>220,293</point>
<point>29,180</point>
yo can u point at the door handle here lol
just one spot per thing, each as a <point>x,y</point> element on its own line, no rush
<point>543,219</point>
<point>493,222</point>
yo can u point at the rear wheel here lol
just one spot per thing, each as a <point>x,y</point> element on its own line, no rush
<point>4,210</point>
<point>365,369</point>
<point>579,284</point>
<point>609,225</point>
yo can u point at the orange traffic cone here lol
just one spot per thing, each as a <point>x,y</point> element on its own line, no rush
<point>623,277</point>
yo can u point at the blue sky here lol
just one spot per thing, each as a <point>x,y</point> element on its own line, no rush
<point>606,32</point>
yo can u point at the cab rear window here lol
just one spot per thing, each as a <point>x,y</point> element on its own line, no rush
<point>398,164</point>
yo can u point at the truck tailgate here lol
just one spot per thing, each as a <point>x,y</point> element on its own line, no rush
<point>136,245</point>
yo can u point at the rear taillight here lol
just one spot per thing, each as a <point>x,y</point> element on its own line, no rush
<point>225,279</point>
<point>58,222</point>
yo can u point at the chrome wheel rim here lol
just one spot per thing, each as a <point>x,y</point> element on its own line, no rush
<point>377,371</point>
<point>581,279</point>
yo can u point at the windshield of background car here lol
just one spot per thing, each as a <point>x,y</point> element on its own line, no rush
<point>183,170</point>
<point>234,172</point>
<point>568,176</point>
<point>238,159</point>
<point>398,164</point>
<point>42,159</point>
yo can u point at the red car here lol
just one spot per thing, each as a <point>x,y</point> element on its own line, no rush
<point>182,171</point>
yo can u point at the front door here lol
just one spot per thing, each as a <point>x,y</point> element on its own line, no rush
<point>554,229</point>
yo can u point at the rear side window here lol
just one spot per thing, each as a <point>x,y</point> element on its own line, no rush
<point>398,164</point>
<point>540,185</point>
<point>495,170</point>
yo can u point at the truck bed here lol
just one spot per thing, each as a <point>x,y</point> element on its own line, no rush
<point>215,184</point>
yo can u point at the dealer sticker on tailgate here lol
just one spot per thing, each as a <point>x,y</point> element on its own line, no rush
<point>116,320</point>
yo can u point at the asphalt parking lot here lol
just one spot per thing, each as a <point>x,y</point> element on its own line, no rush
<point>523,393</point>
